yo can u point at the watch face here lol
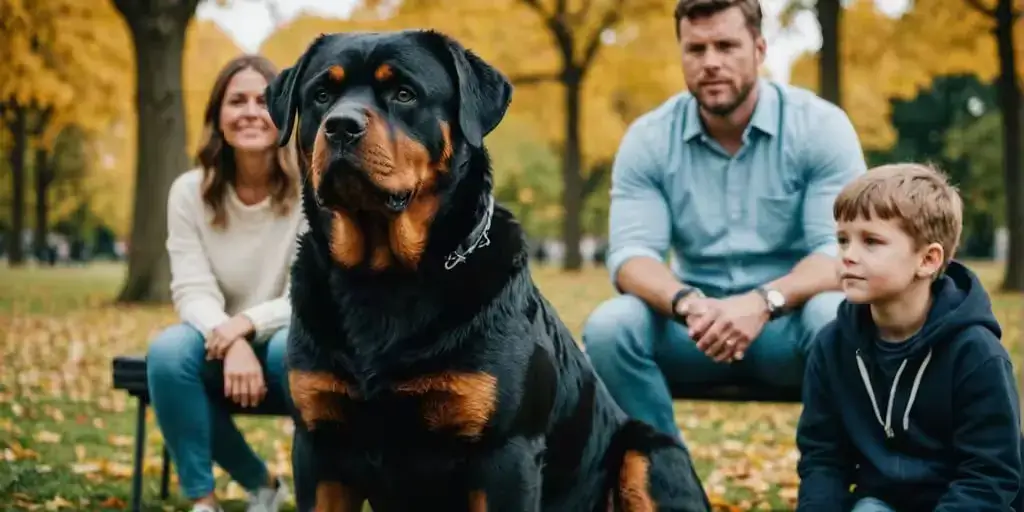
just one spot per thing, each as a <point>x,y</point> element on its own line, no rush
<point>776,299</point>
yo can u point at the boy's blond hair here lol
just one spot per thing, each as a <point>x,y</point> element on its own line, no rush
<point>917,196</point>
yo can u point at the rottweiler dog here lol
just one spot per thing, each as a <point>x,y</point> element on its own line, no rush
<point>427,370</point>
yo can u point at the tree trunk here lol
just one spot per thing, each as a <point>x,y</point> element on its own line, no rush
<point>42,174</point>
<point>572,178</point>
<point>829,18</point>
<point>158,32</point>
<point>1010,105</point>
<point>19,130</point>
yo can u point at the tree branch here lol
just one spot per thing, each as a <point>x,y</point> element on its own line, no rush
<point>610,18</point>
<point>558,28</point>
<point>534,78</point>
<point>535,5</point>
<point>42,119</point>
<point>580,15</point>
<point>977,6</point>
<point>560,8</point>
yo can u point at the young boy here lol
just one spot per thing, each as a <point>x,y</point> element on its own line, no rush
<point>908,395</point>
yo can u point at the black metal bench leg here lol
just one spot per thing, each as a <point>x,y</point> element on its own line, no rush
<point>165,476</point>
<point>140,446</point>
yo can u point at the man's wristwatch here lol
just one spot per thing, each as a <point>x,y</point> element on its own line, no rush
<point>775,300</point>
<point>683,293</point>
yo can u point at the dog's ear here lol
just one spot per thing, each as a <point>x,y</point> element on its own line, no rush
<point>282,94</point>
<point>484,92</point>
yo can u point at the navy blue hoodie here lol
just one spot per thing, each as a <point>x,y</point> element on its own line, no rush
<point>953,440</point>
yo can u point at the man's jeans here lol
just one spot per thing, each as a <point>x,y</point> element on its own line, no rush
<point>635,349</point>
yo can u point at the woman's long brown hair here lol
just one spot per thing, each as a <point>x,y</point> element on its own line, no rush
<point>217,158</point>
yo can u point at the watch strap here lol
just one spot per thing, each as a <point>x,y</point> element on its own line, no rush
<point>683,293</point>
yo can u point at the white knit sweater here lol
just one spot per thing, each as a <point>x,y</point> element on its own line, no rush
<point>243,268</point>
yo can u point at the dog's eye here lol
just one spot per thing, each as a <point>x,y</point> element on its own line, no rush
<point>321,96</point>
<point>404,95</point>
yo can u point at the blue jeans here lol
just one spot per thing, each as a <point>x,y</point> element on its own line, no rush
<point>870,504</point>
<point>188,398</point>
<point>637,352</point>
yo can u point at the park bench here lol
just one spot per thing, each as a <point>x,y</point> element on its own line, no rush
<point>130,376</point>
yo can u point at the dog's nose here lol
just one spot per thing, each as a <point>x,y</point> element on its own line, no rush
<point>345,126</point>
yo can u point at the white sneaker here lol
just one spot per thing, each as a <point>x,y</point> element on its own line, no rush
<point>203,507</point>
<point>268,499</point>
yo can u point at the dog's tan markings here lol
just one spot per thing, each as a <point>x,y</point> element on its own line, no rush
<point>380,258</point>
<point>446,150</point>
<point>347,240</point>
<point>409,231</point>
<point>634,483</point>
<point>399,164</point>
<point>319,160</point>
<point>315,395</point>
<point>461,400</point>
<point>383,73</point>
<point>384,156</point>
<point>477,501</point>
<point>336,73</point>
<point>336,497</point>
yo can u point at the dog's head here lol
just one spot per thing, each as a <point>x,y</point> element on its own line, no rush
<point>384,122</point>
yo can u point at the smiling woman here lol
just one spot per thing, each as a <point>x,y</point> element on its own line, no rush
<point>232,228</point>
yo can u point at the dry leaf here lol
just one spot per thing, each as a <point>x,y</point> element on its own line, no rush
<point>81,468</point>
<point>118,440</point>
<point>45,436</point>
<point>58,503</point>
<point>113,502</point>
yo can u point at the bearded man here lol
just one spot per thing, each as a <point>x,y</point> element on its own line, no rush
<point>735,178</point>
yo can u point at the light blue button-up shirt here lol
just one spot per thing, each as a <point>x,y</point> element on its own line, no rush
<point>732,222</point>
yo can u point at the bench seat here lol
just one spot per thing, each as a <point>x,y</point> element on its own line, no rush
<point>129,375</point>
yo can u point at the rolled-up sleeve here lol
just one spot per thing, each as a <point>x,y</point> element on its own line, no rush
<point>639,220</point>
<point>833,158</point>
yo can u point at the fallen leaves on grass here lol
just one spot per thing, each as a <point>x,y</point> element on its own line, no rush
<point>747,451</point>
<point>71,435</point>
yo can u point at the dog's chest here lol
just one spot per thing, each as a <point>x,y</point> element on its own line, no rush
<point>453,403</point>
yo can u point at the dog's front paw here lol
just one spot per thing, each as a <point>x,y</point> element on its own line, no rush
<point>337,497</point>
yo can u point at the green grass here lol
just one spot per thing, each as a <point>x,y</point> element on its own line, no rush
<point>65,434</point>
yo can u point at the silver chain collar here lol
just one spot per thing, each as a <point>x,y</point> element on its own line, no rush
<point>477,239</point>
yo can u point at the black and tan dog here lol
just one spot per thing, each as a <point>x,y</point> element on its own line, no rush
<point>427,370</point>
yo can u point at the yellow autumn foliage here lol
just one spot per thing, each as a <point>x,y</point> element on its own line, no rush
<point>885,57</point>
<point>64,57</point>
<point>77,58</point>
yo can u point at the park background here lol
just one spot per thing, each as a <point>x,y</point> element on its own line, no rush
<point>101,108</point>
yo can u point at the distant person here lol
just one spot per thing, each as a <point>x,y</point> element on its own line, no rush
<point>909,394</point>
<point>233,224</point>
<point>735,178</point>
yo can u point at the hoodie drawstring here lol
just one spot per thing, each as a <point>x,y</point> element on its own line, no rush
<point>887,424</point>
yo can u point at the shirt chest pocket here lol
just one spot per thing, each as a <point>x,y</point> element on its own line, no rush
<point>777,217</point>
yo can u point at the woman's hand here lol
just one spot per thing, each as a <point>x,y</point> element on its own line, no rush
<point>243,376</point>
<point>224,336</point>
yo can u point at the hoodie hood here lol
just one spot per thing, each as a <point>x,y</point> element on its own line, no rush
<point>959,302</point>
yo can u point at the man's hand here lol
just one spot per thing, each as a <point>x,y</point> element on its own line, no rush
<point>724,328</point>
<point>224,336</point>
<point>243,376</point>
